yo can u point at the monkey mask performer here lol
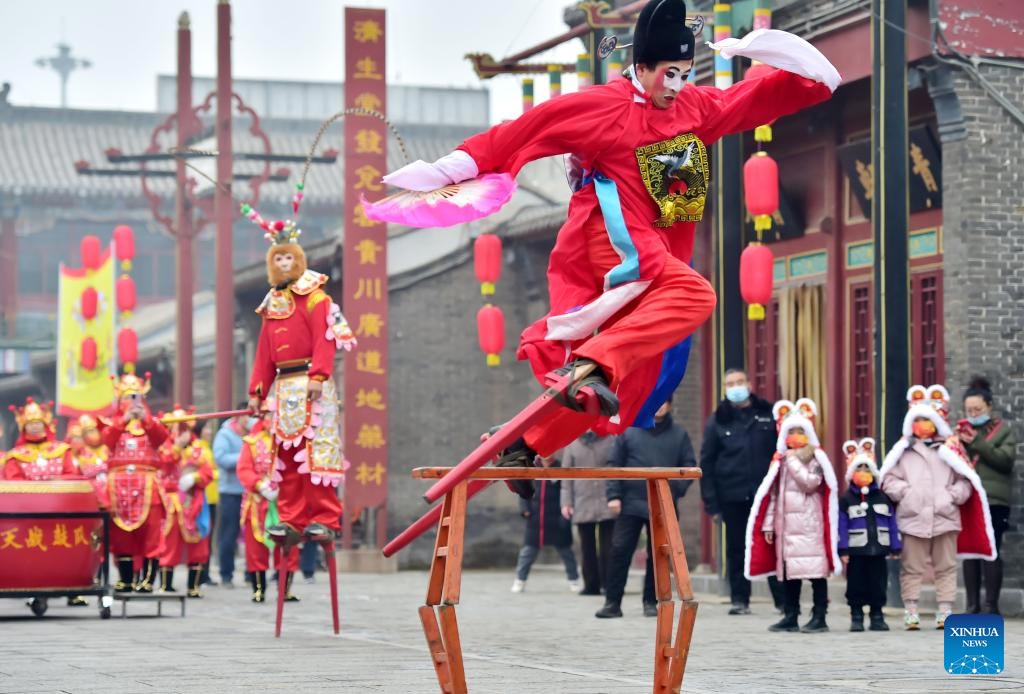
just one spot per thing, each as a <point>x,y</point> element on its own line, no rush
<point>36,455</point>
<point>623,296</point>
<point>188,469</point>
<point>134,438</point>
<point>302,330</point>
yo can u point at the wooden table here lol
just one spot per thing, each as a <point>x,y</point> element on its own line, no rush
<point>670,569</point>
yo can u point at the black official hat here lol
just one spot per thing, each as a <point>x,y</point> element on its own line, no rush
<point>661,33</point>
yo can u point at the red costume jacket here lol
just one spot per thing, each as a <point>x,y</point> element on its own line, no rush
<point>45,460</point>
<point>182,509</point>
<point>132,468</point>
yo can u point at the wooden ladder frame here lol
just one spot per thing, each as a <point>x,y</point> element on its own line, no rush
<point>671,573</point>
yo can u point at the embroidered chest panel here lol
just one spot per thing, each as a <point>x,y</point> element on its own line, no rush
<point>675,173</point>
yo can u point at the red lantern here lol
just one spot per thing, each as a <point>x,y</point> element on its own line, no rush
<point>128,346</point>
<point>487,261</point>
<point>761,189</point>
<point>90,302</point>
<point>490,325</point>
<point>124,245</point>
<point>87,354</point>
<point>125,294</point>
<point>757,267</point>
<point>90,249</point>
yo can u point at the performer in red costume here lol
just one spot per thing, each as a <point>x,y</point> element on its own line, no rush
<point>256,472</point>
<point>133,437</point>
<point>36,454</point>
<point>302,330</point>
<point>187,470</point>
<point>89,455</point>
<point>623,296</point>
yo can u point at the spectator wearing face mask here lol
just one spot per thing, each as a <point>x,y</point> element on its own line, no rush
<point>739,442</point>
<point>227,446</point>
<point>991,448</point>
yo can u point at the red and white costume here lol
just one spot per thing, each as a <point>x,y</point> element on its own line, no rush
<point>814,543</point>
<point>89,461</point>
<point>976,539</point>
<point>38,457</point>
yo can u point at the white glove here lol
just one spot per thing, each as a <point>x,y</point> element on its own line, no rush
<point>422,176</point>
<point>269,493</point>
<point>782,50</point>
<point>186,482</point>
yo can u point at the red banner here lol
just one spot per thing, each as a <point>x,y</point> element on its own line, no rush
<point>365,278</point>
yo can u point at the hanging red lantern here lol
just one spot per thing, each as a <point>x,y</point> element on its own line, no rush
<point>127,346</point>
<point>757,265</point>
<point>125,294</point>
<point>90,250</point>
<point>90,303</point>
<point>761,189</point>
<point>490,325</point>
<point>124,245</point>
<point>487,261</point>
<point>87,354</point>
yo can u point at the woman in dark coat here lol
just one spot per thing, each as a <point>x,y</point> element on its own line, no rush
<point>545,527</point>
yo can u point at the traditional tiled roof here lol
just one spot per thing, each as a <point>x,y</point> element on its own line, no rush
<point>41,145</point>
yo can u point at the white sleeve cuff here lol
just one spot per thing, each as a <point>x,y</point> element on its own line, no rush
<point>782,50</point>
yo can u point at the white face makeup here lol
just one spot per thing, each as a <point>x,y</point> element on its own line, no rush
<point>674,80</point>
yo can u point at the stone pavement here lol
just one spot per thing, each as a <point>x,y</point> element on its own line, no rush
<point>544,640</point>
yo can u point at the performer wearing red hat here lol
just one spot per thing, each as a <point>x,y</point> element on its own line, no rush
<point>37,455</point>
<point>302,330</point>
<point>134,437</point>
<point>187,470</point>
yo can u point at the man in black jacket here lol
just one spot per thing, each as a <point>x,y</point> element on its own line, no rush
<point>739,442</point>
<point>665,445</point>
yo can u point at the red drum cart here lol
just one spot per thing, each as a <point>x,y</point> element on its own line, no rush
<point>54,541</point>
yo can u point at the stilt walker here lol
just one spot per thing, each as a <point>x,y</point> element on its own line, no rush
<point>623,295</point>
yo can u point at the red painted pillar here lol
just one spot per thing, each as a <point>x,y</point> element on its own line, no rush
<point>224,216</point>
<point>9,277</point>
<point>183,222</point>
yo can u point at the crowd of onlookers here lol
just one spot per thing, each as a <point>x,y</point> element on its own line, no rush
<point>939,498</point>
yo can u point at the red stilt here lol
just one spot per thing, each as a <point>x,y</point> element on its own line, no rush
<point>280,559</point>
<point>332,570</point>
<point>428,520</point>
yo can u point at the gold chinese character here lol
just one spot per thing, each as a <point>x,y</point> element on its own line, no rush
<point>366,69</point>
<point>369,142</point>
<point>80,538</point>
<point>369,178</point>
<point>866,175</point>
<point>360,218</point>
<point>60,536</point>
<point>369,361</point>
<point>11,540</point>
<point>370,325</point>
<point>370,398</point>
<point>368,250</point>
<point>35,538</point>
<point>923,168</point>
<point>368,288</point>
<point>367,30</point>
<point>370,436</point>
<point>367,101</point>
<point>366,474</point>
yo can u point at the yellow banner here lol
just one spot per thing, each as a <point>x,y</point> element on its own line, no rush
<point>82,391</point>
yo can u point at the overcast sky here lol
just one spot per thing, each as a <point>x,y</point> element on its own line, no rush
<point>129,42</point>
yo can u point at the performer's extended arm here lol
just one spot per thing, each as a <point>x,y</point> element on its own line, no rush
<point>263,371</point>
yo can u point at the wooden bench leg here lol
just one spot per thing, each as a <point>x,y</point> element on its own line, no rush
<point>669,559</point>
<point>443,591</point>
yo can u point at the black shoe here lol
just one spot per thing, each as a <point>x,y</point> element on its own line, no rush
<point>285,534</point>
<point>518,453</point>
<point>289,596</point>
<point>78,601</point>
<point>318,532</point>
<point>125,570</point>
<point>144,583</point>
<point>857,623</point>
<point>611,610</point>
<point>194,575</point>
<point>650,609</point>
<point>167,579</point>
<point>739,608</point>
<point>259,586</point>
<point>817,623</point>
<point>596,381</point>
<point>787,623</point>
<point>877,622</point>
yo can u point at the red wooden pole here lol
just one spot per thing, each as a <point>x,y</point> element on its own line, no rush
<point>183,222</point>
<point>428,520</point>
<point>224,216</point>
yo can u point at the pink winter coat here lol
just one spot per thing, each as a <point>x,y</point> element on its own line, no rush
<point>796,515</point>
<point>928,493</point>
